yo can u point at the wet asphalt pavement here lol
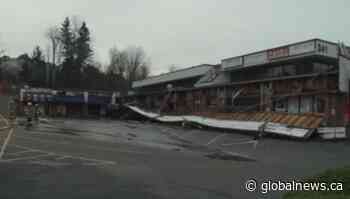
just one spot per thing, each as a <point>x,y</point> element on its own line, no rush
<point>131,159</point>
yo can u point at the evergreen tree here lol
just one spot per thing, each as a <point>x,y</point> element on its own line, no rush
<point>83,46</point>
<point>69,72</point>
<point>76,53</point>
<point>38,68</point>
<point>67,39</point>
<point>25,73</point>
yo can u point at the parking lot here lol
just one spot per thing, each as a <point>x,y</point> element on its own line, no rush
<point>132,159</point>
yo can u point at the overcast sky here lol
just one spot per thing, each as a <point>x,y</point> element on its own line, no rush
<point>180,32</point>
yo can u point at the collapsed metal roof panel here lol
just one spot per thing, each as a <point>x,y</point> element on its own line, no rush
<point>213,77</point>
<point>297,126</point>
<point>174,76</point>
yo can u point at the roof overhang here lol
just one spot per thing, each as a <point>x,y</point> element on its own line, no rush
<point>186,73</point>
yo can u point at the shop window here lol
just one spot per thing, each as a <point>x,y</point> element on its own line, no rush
<point>305,104</point>
<point>304,68</point>
<point>319,105</point>
<point>320,67</point>
<point>293,105</point>
<point>212,96</point>
<point>281,106</point>
<point>289,70</point>
<point>278,71</point>
<point>332,67</point>
<point>237,76</point>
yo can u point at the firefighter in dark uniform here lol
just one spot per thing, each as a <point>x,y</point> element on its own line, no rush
<point>29,111</point>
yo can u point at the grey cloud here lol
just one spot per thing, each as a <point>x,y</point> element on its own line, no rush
<point>181,32</point>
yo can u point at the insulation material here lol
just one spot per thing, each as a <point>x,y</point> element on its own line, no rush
<point>224,124</point>
<point>284,130</point>
<point>332,132</point>
<point>274,128</point>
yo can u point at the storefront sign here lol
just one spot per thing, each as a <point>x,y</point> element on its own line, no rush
<point>302,48</point>
<point>232,62</point>
<point>255,59</point>
<point>312,47</point>
<point>277,53</point>
<point>49,97</point>
<point>327,49</point>
<point>35,97</point>
<point>42,98</point>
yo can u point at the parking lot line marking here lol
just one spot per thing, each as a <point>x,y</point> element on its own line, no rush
<point>238,143</point>
<point>49,163</point>
<point>21,147</point>
<point>215,139</point>
<point>91,147</point>
<point>5,128</point>
<point>4,119</point>
<point>29,157</point>
<point>69,156</point>
<point>3,147</point>
<point>90,159</point>
<point>95,163</point>
<point>20,152</point>
<point>61,158</point>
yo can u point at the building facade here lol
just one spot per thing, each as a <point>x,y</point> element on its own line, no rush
<point>66,103</point>
<point>308,77</point>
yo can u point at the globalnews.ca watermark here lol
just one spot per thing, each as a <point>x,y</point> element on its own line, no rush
<point>265,187</point>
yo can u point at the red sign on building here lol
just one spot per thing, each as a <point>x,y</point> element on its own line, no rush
<point>277,53</point>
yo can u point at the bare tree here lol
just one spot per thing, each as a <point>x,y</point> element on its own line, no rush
<point>118,62</point>
<point>173,68</point>
<point>137,64</point>
<point>54,37</point>
<point>143,72</point>
<point>131,63</point>
<point>47,67</point>
<point>53,34</point>
<point>48,53</point>
<point>2,50</point>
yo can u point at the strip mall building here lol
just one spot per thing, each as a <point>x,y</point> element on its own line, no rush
<point>305,84</point>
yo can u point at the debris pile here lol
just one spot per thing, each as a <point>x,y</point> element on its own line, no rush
<point>297,126</point>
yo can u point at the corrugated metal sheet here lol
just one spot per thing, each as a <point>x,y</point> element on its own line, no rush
<point>207,80</point>
<point>173,76</point>
<point>332,132</point>
<point>224,121</point>
<point>306,121</point>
